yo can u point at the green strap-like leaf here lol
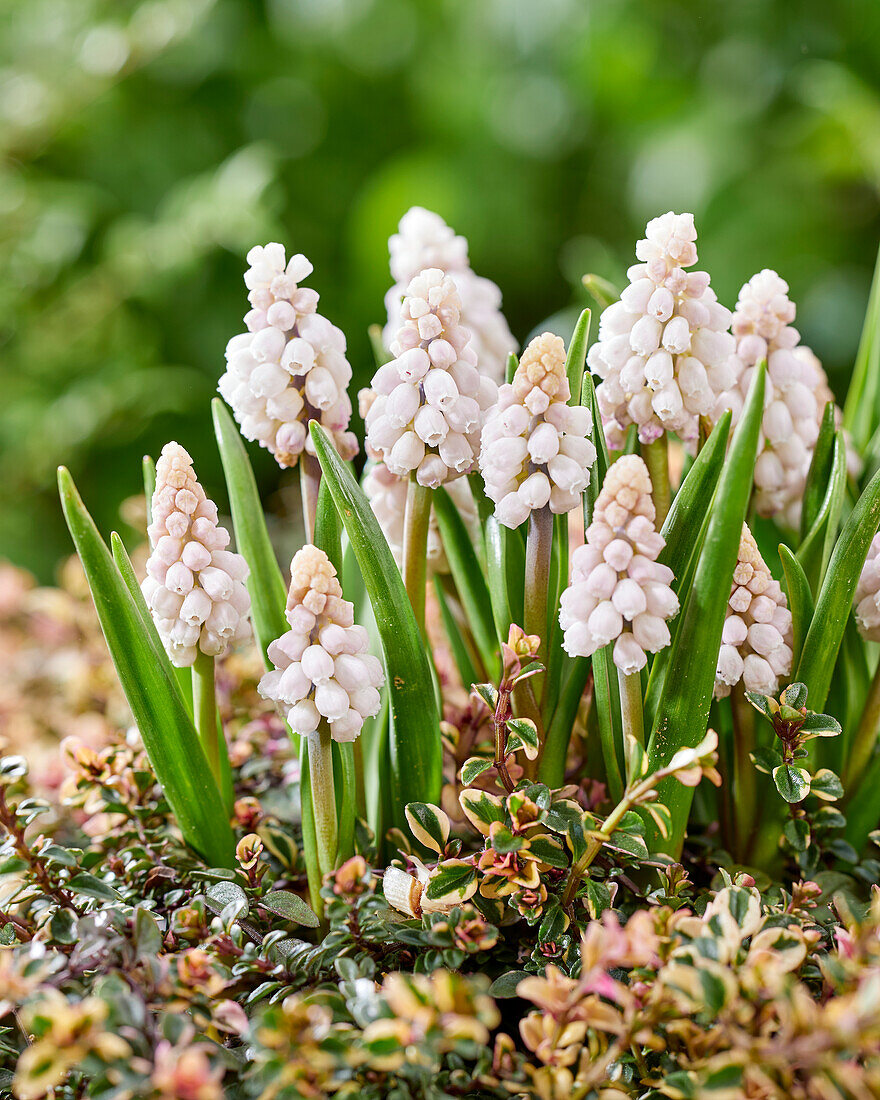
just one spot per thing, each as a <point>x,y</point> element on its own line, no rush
<point>820,471</point>
<point>800,599</point>
<point>469,580</point>
<point>166,728</point>
<point>265,584</point>
<point>862,410</point>
<point>683,709</point>
<point>691,502</point>
<point>815,551</point>
<point>576,358</point>
<point>457,644</point>
<point>416,755</point>
<point>834,601</point>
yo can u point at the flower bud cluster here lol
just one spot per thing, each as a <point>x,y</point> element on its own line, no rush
<point>663,350</point>
<point>322,668</point>
<point>289,367</point>
<point>757,636</point>
<point>867,597</point>
<point>387,496</point>
<point>430,399</point>
<point>763,331</point>
<point>618,589</point>
<point>194,586</point>
<point>534,448</point>
<point>425,240</point>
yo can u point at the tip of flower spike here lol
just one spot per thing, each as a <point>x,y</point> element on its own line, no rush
<point>542,367</point>
<point>311,570</point>
<point>628,484</point>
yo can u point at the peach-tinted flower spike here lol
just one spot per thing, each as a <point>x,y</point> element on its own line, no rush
<point>762,326</point>
<point>322,667</point>
<point>757,636</point>
<point>289,367</point>
<point>534,447</point>
<point>430,399</point>
<point>194,586</point>
<point>425,240</point>
<point>619,592</point>
<point>663,350</point>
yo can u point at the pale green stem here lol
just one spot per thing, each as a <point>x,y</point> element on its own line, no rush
<point>580,868</point>
<point>866,735</point>
<point>323,796</point>
<point>309,484</point>
<point>745,789</point>
<point>205,711</point>
<point>656,457</point>
<point>416,524</point>
<point>631,707</point>
<point>539,548</point>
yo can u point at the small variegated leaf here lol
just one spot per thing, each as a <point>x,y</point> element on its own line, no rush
<point>764,703</point>
<point>473,768</point>
<point>503,840</point>
<point>661,816</point>
<point>429,824</point>
<point>452,882</point>
<point>795,695</point>
<point>488,694</point>
<point>819,725</point>
<point>554,923</point>
<point>523,735</point>
<point>765,760</point>
<point>826,785</point>
<point>797,832</point>
<point>548,850</point>
<point>481,809</point>
<point>791,782</point>
<point>631,843</point>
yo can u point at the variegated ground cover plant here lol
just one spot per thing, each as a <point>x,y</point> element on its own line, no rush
<point>560,775</point>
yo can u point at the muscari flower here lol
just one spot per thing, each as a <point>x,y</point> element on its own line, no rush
<point>425,240</point>
<point>619,592</point>
<point>289,367</point>
<point>757,636</point>
<point>430,399</point>
<point>663,349</point>
<point>867,597</point>
<point>194,586</point>
<point>322,668</point>
<point>534,446</point>
<point>790,425</point>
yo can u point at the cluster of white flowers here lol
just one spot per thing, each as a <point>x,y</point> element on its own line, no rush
<point>194,586</point>
<point>757,635</point>
<point>425,240</point>
<point>387,496</point>
<point>322,667</point>
<point>430,399</point>
<point>289,367</point>
<point>867,597</point>
<point>618,589</point>
<point>534,449</point>
<point>663,350</point>
<point>762,328</point>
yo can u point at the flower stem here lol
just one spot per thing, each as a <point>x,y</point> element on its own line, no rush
<point>539,547</point>
<point>309,484</point>
<point>866,734</point>
<point>323,796</point>
<point>656,457</point>
<point>416,522</point>
<point>205,712</point>
<point>631,707</point>
<point>745,810</point>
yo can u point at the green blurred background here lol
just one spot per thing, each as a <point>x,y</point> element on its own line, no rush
<point>147,145</point>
